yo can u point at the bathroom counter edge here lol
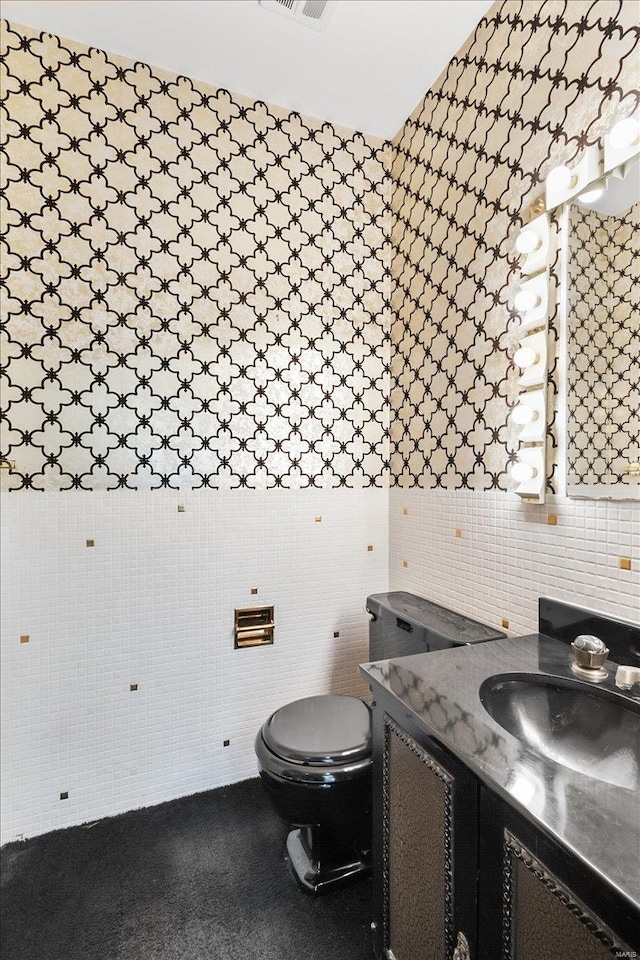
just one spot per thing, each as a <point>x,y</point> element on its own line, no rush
<point>594,821</point>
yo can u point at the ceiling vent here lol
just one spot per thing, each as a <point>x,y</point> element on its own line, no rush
<point>313,13</point>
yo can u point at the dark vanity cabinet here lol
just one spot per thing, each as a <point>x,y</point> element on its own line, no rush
<point>425,846</point>
<point>536,902</point>
<point>459,875</point>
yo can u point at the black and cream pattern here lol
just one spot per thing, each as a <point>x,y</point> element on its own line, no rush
<point>535,84</point>
<point>196,286</point>
<point>603,345</point>
<point>199,289</point>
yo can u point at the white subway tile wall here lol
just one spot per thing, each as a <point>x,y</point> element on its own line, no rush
<point>509,554</point>
<point>152,604</point>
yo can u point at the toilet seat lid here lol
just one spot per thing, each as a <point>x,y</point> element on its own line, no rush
<point>324,729</point>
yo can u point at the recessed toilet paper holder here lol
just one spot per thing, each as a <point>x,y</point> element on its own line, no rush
<point>253,626</point>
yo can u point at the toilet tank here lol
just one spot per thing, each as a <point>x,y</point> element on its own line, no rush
<point>402,624</point>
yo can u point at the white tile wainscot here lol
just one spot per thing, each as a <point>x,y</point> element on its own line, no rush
<point>152,603</point>
<point>508,554</point>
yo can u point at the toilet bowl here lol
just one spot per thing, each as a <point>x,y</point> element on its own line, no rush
<point>314,755</point>
<point>314,758</point>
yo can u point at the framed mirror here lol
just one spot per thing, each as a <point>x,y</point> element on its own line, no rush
<point>593,209</point>
<point>602,265</point>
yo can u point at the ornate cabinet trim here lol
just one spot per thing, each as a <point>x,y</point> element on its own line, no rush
<point>462,951</point>
<point>392,729</point>
<point>514,849</point>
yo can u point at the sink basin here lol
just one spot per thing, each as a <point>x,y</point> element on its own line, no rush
<point>590,730</point>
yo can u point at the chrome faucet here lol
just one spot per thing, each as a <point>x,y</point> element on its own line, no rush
<point>589,656</point>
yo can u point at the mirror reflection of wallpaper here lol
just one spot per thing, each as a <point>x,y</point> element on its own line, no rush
<point>603,341</point>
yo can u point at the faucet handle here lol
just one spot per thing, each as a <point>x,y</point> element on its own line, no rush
<point>589,656</point>
<point>589,643</point>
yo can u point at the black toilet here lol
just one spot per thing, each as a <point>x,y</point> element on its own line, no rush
<point>314,755</point>
<point>315,762</point>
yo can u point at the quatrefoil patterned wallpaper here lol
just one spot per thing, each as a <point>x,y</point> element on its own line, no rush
<point>603,342</point>
<point>196,286</point>
<point>534,85</point>
<point>200,289</point>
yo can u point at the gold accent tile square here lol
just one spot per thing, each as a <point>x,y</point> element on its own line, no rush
<point>505,623</point>
<point>624,563</point>
<point>91,543</point>
<point>24,638</point>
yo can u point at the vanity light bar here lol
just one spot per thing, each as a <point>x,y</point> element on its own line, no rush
<point>536,292</point>
<point>622,143</point>
<point>592,194</point>
<point>525,300</point>
<point>526,357</point>
<point>533,244</point>
<point>523,472</point>
<point>528,474</point>
<point>531,357</point>
<point>528,241</point>
<point>531,300</point>
<point>523,414</point>
<point>530,416</point>
<point>565,182</point>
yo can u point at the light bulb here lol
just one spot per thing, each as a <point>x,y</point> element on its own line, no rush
<point>521,472</point>
<point>625,133</point>
<point>522,414</point>
<point>561,178</point>
<point>525,357</point>
<point>528,241</point>
<point>525,300</point>
<point>591,195</point>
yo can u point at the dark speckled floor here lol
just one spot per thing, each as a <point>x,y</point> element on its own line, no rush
<point>202,877</point>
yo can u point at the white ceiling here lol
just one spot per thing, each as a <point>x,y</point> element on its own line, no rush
<point>368,71</point>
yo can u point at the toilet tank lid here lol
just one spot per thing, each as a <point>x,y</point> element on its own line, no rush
<point>452,627</point>
<point>324,729</point>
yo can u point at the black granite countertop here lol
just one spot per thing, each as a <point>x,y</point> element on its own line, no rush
<point>597,822</point>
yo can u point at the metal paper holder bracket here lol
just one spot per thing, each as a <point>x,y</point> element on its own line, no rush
<point>253,627</point>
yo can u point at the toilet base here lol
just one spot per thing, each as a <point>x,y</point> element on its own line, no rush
<point>315,874</point>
